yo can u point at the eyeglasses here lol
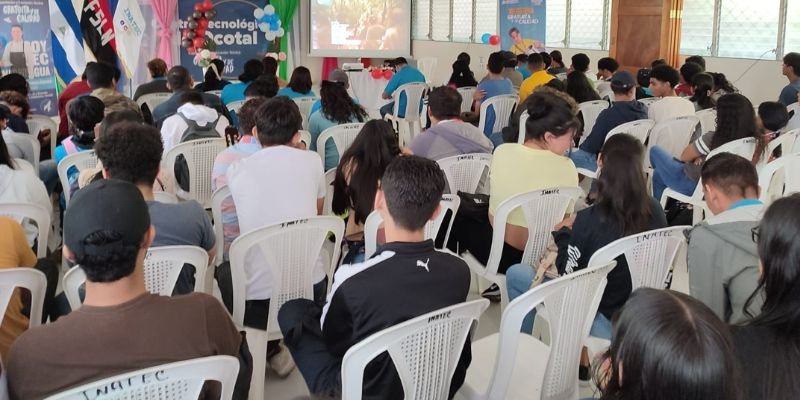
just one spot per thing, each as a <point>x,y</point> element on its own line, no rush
<point>756,233</point>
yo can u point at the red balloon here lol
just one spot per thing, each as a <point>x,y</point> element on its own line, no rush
<point>494,40</point>
<point>377,74</point>
<point>198,7</point>
<point>200,32</point>
<point>185,34</point>
<point>199,42</point>
<point>191,50</point>
<point>202,22</point>
<point>208,5</point>
<point>388,74</point>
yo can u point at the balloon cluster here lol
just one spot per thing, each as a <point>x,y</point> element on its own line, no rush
<point>278,56</point>
<point>488,38</point>
<point>194,38</point>
<point>379,73</point>
<point>269,22</point>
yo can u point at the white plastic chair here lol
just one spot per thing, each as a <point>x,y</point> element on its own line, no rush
<point>672,135</point>
<point>464,172</point>
<point>327,207</point>
<point>640,129</point>
<point>515,365</point>
<point>503,107</point>
<point>217,198</point>
<point>234,106</point>
<point>81,161</point>
<point>409,125</point>
<point>38,123</point>
<point>449,202</point>
<point>290,251</point>
<point>162,265</point>
<point>28,278</point>
<point>305,104</point>
<point>787,141</point>
<point>591,110</point>
<point>215,92</point>
<point>181,380</point>
<point>153,100</point>
<point>342,136</point>
<point>427,65</point>
<point>543,209</point>
<point>523,121</point>
<point>743,147</point>
<point>199,155</point>
<point>708,119</point>
<point>305,137</point>
<point>649,101</point>
<point>466,93</point>
<point>794,123</point>
<point>425,351</point>
<point>29,144</point>
<point>780,178</point>
<point>38,214</point>
<point>166,197</point>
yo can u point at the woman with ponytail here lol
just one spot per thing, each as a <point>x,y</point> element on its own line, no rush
<point>213,77</point>
<point>703,86</point>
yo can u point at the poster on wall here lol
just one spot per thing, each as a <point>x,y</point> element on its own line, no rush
<point>25,49</point>
<point>234,30</point>
<point>523,25</point>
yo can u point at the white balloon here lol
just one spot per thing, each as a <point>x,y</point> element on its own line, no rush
<point>269,9</point>
<point>281,32</point>
<point>205,53</point>
<point>258,13</point>
<point>270,35</point>
<point>264,27</point>
<point>279,22</point>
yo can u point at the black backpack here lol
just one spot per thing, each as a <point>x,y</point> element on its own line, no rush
<point>192,132</point>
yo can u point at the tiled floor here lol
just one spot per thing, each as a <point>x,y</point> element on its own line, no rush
<point>294,388</point>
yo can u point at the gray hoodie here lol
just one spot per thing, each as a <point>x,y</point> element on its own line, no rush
<point>723,262</point>
<point>450,138</point>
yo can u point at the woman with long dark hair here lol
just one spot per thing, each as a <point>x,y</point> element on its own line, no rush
<point>356,182</point>
<point>299,84</point>
<point>579,87</point>
<point>721,86</point>
<point>702,87</point>
<point>337,108</point>
<point>667,345</point>
<point>212,80</point>
<point>736,119</point>
<point>462,76</point>
<point>770,344</point>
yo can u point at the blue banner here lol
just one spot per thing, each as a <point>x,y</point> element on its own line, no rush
<point>25,49</point>
<point>235,31</point>
<point>523,25</point>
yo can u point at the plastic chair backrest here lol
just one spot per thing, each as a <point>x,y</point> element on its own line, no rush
<point>38,215</point>
<point>591,110</point>
<point>162,266</point>
<point>650,255</point>
<point>305,137</point>
<point>199,155</point>
<point>342,136</point>
<point>37,123</point>
<point>466,93</point>
<point>780,178</point>
<point>673,134</point>
<point>427,65</point>
<point>29,144</point>
<point>708,119</point>
<point>795,121</point>
<point>235,106</point>
<point>523,121</point>
<point>217,198</point>
<point>215,92</point>
<point>28,278</point>
<point>571,302</point>
<point>181,380</point>
<point>787,141</point>
<point>165,197</point>
<point>449,202</point>
<point>153,100</point>
<point>649,101</point>
<point>640,129</point>
<point>414,94</point>
<point>425,351</point>
<point>503,107</point>
<point>327,207</point>
<point>81,161</point>
<point>464,172</point>
<point>305,104</point>
<point>290,250</point>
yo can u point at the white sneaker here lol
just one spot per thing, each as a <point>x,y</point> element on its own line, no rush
<point>282,362</point>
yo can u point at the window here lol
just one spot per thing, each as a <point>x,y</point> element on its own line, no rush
<point>556,35</point>
<point>440,20</point>
<point>739,28</point>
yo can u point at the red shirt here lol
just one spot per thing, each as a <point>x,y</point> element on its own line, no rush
<point>684,90</point>
<point>72,91</point>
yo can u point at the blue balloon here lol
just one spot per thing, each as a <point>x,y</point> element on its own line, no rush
<point>485,38</point>
<point>273,26</point>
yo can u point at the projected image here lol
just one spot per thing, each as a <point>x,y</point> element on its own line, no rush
<point>360,24</point>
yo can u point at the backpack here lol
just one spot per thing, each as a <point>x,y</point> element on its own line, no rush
<point>193,132</point>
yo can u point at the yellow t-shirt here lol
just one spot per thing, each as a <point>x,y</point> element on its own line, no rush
<point>14,253</point>
<point>524,46</point>
<point>538,78</point>
<point>518,169</point>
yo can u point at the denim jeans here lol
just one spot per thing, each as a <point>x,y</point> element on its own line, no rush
<point>48,173</point>
<point>518,280</point>
<point>387,109</point>
<point>668,173</point>
<point>583,159</point>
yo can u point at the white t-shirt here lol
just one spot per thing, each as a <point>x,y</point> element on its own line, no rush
<point>276,184</point>
<point>670,107</point>
<point>23,186</point>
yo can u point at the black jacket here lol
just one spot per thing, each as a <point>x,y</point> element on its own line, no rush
<point>619,113</point>
<point>402,281</point>
<point>590,232</point>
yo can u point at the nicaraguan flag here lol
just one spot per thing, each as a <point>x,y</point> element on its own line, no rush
<point>69,59</point>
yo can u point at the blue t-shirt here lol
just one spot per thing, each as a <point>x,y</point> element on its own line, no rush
<point>493,87</point>
<point>317,124</point>
<point>525,72</point>
<point>290,93</point>
<point>789,93</point>
<point>233,92</point>
<point>407,74</point>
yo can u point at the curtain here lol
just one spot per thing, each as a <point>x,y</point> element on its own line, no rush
<point>164,11</point>
<point>285,10</point>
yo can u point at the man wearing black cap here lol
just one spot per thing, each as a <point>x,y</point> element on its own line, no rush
<point>624,109</point>
<point>120,326</point>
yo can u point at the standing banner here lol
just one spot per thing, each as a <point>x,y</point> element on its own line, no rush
<point>24,34</point>
<point>235,31</point>
<point>523,25</point>
<point>129,26</point>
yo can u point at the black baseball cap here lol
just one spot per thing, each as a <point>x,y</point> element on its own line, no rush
<point>623,80</point>
<point>106,205</point>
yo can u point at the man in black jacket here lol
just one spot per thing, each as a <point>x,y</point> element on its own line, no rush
<point>624,109</point>
<point>407,277</point>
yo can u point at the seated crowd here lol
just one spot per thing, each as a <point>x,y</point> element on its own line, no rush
<point>741,312</point>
